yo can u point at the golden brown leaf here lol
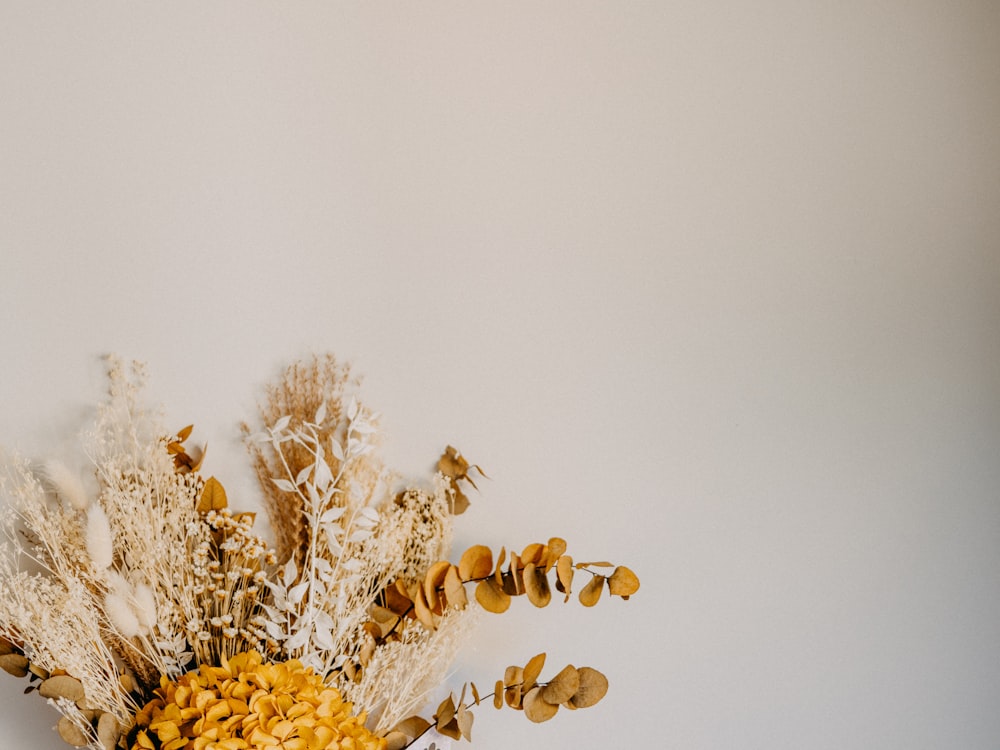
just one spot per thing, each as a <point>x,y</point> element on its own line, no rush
<point>184,433</point>
<point>213,496</point>
<point>15,664</point>
<point>451,729</point>
<point>491,597</point>
<point>591,593</point>
<point>396,740</point>
<point>459,502</point>
<point>452,464</point>
<point>475,692</point>
<point>422,611</point>
<point>62,686</point>
<point>513,679</point>
<point>397,600</point>
<point>563,686</point>
<point>476,563</point>
<point>536,708</point>
<point>498,695</point>
<point>536,584</point>
<point>623,582</point>
<point>593,687</point>
<point>533,553</point>
<point>454,591</point>
<point>464,718</point>
<point>71,733</point>
<point>531,671</point>
<point>553,551</point>
<point>433,580</point>
<point>108,731</point>
<point>412,727</point>
<point>445,712</point>
<point>564,576</point>
<point>498,573</point>
<point>367,651</point>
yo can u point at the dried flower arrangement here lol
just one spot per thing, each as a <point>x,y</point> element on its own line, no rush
<point>153,617</point>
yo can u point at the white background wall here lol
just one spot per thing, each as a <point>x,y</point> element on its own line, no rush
<point>708,288</point>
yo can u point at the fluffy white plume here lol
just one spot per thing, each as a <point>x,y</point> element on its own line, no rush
<point>144,607</point>
<point>99,543</point>
<point>67,484</point>
<point>121,615</point>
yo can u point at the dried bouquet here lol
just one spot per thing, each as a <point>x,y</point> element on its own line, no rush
<point>152,616</point>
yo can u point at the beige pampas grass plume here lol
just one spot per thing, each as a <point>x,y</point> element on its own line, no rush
<point>99,541</point>
<point>67,484</point>
<point>121,615</point>
<point>144,607</point>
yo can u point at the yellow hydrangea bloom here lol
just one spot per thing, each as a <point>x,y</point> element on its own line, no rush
<point>247,704</point>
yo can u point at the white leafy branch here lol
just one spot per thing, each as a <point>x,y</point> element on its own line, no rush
<point>306,599</point>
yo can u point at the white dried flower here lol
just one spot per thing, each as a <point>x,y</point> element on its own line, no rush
<point>99,542</point>
<point>121,615</point>
<point>67,484</point>
<point>144,606</point>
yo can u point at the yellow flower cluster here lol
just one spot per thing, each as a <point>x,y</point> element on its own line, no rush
<point>247,704</point>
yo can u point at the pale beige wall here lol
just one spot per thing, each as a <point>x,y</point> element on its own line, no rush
<point>711,288</point>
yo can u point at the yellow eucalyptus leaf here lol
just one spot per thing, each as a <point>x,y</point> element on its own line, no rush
<point>476,563</point>
<point>491,597</point>
<point>433,580</point>
<point>531,671</point>
<point>593,687</point>
<point>591,593</point>
<point>536,708</point>
<point>623,582</point>
<point>564,575</point>
<point>536,585</point>
<point>563,686</point>
<point>554,550</point>
<point>454,590</point>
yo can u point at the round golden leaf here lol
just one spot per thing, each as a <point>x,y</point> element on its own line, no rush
<point>396,741</point>
<point>533,553</point>
<point>591,593</point>
<point>15,664</point>
<point>62,686</point>
<point>536,585</point>
<point>536,708</point>
<point>476,563</point>
<point>623,582</point>
<point>71,733</point>
<point>553,551</point>
<point>491,597</point>
<point>563,686</point>
<point>108,731</point>
<point>593,687</point>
